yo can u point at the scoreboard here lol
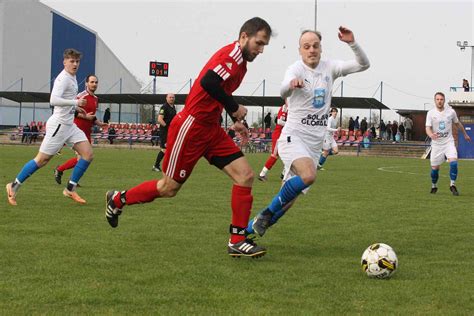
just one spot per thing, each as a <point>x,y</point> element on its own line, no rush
<point>159,69</point>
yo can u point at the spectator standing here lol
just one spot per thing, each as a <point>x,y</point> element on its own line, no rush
<point>106,117</point>
<point>408,128</point>
<point>351,125</point>
<point>268,120</point>
<point>373,132</point>
<point>363,126</point>
<point>394,130</point>
<point>465,85</point>
<point>389,130</point>
<point>26,134</point>
<point>34,132</point>
<point>383,130</point>
<point>356,124</point>
<point>401,129</point>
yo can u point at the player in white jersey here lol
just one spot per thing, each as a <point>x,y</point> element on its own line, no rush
<point>329,141</point>
<point>60,130</point>
<point>307,86</point>
<point>439,127</point>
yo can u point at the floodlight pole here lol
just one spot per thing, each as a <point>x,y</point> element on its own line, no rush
<point>462,46</point>
<point>315,15</point>
<point>21,89</point>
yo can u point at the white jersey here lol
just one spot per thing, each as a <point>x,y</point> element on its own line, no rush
<point>308,107</point>
<point>332,126</point>
<point>63,98</point>
<point>442,124</point>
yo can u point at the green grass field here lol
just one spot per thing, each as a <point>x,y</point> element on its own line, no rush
<point>169,256</point>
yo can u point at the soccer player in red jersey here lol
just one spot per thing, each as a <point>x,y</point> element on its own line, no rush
<point>84,121</point>
<point>196,132</point>
<point>281,120</point>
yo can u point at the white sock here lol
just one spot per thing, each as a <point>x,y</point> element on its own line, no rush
<point>452,182</point>
<point>264,171</point>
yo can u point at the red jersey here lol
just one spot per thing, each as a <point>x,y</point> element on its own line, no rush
<point>90,107</point>
<point>281,119</point>
<point>229,64</point>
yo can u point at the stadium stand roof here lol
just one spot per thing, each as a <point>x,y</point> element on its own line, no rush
<point>133,98</point>
<point>405,112</point>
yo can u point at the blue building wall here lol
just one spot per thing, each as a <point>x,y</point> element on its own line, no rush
<point>66,34</point>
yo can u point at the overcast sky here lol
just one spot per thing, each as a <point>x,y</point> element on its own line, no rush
<point>411,44</point>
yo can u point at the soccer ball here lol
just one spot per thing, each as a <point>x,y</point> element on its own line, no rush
<point>379,261</point>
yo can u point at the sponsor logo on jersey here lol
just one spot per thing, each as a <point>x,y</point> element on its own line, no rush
<point>442,125</point>
<point>318,99</point>
<point>315,120</point>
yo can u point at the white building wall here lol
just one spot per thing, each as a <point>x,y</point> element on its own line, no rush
<point>25,52</point>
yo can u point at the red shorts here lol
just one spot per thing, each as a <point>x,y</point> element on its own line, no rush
<point>275,137</point>
<point>88,135</point>
<point>188,141</point>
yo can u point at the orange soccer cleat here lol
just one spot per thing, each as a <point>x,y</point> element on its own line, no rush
<point>74,196</point>
<point>11,194</point>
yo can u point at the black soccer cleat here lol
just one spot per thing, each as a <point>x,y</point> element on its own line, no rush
<point>434,190</point>
<point>246,248</point>
<point>454,190</point>
<point>261,222</point>
<point>112,212</point>
<point>57,175</point>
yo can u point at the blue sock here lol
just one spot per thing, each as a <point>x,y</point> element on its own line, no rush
<point>434,175</point>
<point>277,216</point>
<point>453,170</point>
<point>273,221</point>
<point>249,228</point>
<point>322,160</point>
<point>28,169</point>
<point>79,170</point>
<point>288,192</point>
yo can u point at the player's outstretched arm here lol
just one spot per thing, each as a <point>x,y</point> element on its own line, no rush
<point>361,61</point>
<point>346,35</point>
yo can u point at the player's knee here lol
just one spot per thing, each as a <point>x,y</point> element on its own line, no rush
<point>89,156</point>
<point>308,178</point>
<point>335,152</point>
<point>246,177</point>
<point>167,188</point>
<point>169,192</point>
<point>42,160</point>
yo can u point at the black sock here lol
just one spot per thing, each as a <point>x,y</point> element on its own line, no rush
<point>71,186</point>
<point>159,158</point>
